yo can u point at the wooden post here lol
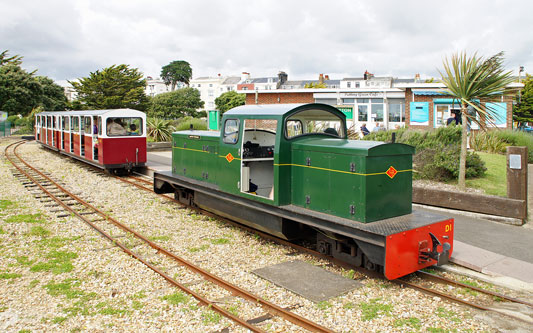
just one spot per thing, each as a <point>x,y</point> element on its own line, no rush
<point>517,174</point>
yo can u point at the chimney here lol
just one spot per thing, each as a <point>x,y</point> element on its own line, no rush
<point>417,77</point>
<point>245,76</point>
<point>219,75</point>
<point>327,77</point>
<point>321,78</point>
<point>282,78</point>
<point>368,75</point>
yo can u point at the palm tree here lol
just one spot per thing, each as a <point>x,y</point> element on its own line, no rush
<point>470,80</point>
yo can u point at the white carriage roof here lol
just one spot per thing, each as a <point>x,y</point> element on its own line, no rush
<point>91,112</point>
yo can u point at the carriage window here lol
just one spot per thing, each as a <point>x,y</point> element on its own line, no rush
<point>124,126</point>
<point>76,124</point>
<point>87,125</point>
<point>66,123</point>
<point>231,131</point>
<point>314,122</point>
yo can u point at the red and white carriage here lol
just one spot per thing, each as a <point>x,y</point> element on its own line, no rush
<point>109,139</point>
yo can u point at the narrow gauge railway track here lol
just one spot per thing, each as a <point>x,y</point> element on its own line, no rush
<point>403,282</point>
<point>83,210</point>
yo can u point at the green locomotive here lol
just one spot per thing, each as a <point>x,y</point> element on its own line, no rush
<point>291,171</point>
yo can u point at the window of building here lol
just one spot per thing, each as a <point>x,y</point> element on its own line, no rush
<point>362,110</point>
<point>348,84</point>
<point>210,85</point>
<point>199,85</point>
<point>357,85</point>
<point>396,113</point>
<point>210,93</point>
<point>348,100</point>
<point>377,109</point>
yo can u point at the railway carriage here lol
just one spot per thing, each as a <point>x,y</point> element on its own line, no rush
<point>108,139</point>
<point>290,170</point>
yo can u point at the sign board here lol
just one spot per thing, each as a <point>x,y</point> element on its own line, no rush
<point>347,110</point>
<point>515,161</point>
<point>419,113</point>
<point>3,116</point>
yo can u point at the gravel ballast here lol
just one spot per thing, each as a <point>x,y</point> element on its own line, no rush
<point>58,274</point>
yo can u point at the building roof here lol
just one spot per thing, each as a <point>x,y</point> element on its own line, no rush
<point>264,80</point>
<point>232,80</point>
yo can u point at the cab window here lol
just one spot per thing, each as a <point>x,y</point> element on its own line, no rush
<point>231,131</point>
<point>314,122</point>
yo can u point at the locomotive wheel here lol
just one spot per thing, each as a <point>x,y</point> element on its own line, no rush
<point>370,265</point>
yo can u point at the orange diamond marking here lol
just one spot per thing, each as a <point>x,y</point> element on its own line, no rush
<point>229,157</point>
<point>391,172</point>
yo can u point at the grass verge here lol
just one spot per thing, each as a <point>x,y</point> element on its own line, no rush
<point>495,180</point>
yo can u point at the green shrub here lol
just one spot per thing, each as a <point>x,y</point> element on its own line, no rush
<point>185,124</point>
<point>159,129</point>
<point>496,141</point>
<point>437,152</point>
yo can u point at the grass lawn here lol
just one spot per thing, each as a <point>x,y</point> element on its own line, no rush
<point>495,180</point>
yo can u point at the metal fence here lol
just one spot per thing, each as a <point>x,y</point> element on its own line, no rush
<point>5,128</point>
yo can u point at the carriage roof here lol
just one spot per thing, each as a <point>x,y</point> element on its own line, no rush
<point>111,112</point>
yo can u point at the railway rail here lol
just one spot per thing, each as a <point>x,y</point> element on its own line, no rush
<point>103,223</point>
<point>146,185</point>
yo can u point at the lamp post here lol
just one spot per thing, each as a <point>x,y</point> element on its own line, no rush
<point>520,70</point>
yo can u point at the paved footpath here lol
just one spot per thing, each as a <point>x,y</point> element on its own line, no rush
<point>489,247</point>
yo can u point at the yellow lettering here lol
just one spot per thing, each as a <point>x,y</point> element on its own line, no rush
<point>448,228</point>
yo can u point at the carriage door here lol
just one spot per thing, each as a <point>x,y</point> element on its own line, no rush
<point>86,137</point>
<point>61,130</point>
<point>54,130</point>
<point>71,139</point>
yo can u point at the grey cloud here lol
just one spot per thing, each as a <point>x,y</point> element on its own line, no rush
<point>69,39</point>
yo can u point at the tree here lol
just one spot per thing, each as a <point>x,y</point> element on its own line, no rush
<point>176,104</point>
<point>53,97</point>
<point>115,87</point>
<point>469,80</point>
<point>523,110</point>
<point>176,71</point>
<point>14,60</point>
<point>229,100</point>
<point>315,85</point>
<point>20,92</point>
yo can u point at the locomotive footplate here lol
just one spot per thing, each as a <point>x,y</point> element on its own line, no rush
<point>396,244</point>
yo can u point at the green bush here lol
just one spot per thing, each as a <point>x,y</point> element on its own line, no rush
<point>443,164</point>
<point>185,124</point>
<point>437,152</point>
<point>496,141</point>
<point>159,129</point>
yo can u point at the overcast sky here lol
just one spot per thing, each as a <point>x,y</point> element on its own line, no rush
<point>66,40</point>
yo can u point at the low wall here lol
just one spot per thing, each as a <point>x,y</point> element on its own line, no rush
<point>478,203</point>
<point>158,146</point>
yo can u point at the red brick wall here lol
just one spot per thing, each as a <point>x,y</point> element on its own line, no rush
<point>281,98</point>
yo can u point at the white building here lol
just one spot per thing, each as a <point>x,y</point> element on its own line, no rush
<point>212,87</point>
<point>156,86</point>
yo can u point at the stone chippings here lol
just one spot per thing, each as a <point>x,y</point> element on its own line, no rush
<point>111,291</point>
